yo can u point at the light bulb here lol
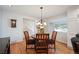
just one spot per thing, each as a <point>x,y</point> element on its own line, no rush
<point>41,24</point>
<point>41,27</point>
<point>38,23</point>
<point>45,23</point>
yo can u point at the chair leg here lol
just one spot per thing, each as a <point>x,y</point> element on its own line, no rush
<point>54,47</point>
<point>26,48</point>
<point>35,47</point>
<point>47,51</point>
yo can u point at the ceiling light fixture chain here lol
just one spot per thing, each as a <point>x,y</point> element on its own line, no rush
<point>41,23</point>
<point>41,13</point>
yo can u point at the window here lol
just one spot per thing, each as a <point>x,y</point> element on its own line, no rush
<point>61,27</point>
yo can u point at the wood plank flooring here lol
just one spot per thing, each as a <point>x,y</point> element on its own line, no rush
<point>19,48</point>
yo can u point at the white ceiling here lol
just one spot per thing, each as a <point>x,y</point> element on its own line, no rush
<point>34,10</point>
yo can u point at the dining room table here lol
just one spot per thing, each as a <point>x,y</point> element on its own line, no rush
<point>49,40</point>
<point>39,42</point>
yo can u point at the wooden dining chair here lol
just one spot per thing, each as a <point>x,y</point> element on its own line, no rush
<point>28,40</point>
<point>53,40</point>
<point>41,45</point>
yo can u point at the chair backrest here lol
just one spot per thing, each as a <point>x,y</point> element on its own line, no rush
<point>42,36</point>
<point>26,34</point>
<point>54,34</point>
<point>42,43</point>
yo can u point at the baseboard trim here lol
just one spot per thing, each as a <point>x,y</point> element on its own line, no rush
<point>70,47</point>
<point>66,45</point>
<point>61,42</point>
<point>12,42</point>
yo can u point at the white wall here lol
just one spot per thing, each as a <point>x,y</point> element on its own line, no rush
<point>0,23</point>
<point>29,25</point>
<point>62,37</point>
<point>15,34</point>
<point>73,25</point>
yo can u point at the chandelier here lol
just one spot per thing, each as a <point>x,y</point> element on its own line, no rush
<point>41,23</point>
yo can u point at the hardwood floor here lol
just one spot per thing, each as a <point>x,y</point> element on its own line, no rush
<point>19,48</point>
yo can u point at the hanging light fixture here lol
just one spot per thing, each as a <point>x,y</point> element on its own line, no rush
<point>41,23</point>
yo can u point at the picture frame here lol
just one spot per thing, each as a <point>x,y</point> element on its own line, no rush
<point>13,23</point>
